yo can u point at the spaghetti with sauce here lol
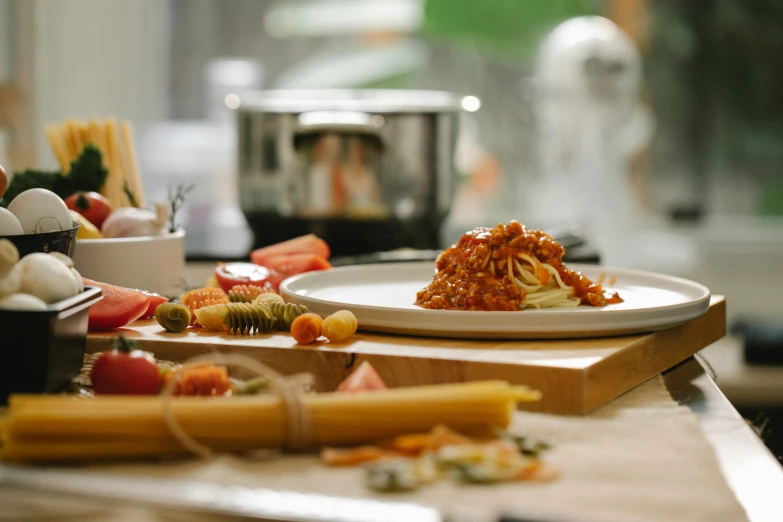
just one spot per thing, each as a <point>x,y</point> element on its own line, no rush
<point>508,268</point>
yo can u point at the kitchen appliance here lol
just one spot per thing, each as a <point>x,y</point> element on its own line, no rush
<point>367,170</point>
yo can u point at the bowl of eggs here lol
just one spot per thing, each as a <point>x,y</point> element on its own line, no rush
<point>37,220</point>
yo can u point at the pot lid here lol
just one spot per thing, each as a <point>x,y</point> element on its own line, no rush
<point>368,100</point>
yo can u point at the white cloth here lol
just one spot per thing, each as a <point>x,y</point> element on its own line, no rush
<point>641,458</point>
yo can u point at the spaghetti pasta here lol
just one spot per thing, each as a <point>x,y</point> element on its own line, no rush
<point>60,428</point>
<point>508,268</point>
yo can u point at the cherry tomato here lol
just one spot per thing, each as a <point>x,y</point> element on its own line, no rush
<point>94,207</point>
<point>3,181</point>
<point>125,370</point>
<point>363,378</point>
<point>229,275</point>
<point>155,301</point>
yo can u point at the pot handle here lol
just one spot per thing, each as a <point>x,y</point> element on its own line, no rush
<point>339,121</point>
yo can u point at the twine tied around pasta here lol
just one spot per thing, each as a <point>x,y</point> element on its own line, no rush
<point>289,389</point>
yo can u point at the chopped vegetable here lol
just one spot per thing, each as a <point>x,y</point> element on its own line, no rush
<point>352,456</point>
<point>155,301</point>
<point>119,307</point>
<point>230,275</point>
<point>309,244</point>
<point>306,328</point>
<point>92,205</point>
<point>86,229</point>
<point>363,378</point>
<point>125,370</point>
<point>174,317</point>
<point>391,475</point>
<point>205,380</point>
<point>283,267</point>
<point>87,174</point>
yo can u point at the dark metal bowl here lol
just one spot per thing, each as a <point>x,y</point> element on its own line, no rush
<point>63,241</point>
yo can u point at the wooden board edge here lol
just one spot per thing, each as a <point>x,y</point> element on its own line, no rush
<point>651,355</point>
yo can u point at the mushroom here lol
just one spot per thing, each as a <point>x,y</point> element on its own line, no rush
<point>9,255</point>
<point>10,275</point>
<point>21,302</point>
<point>69,263</point>
<point>47,278</point>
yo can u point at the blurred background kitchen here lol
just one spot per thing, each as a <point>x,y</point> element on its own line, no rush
<point>655,129</point>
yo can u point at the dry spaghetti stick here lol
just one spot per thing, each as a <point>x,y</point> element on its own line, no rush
<point>98,137</point>
<point>133,177</point>
<point>111,185</point>
<point>73,128</point>
<point>84,133</point>
<point>58,148</point>
<point>118,175</point>
<point>69,144</point>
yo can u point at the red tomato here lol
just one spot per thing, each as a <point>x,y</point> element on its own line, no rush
<point>94,207</point>
<point>125,371</point>
<point>363,378</point>
<point>309,244</point>
<point>291,265</point>
<point>3,181</point>
<point>229,275</point>
<point>155,301</point>
<point>119,306</point>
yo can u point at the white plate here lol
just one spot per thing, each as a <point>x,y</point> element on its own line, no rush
<point>382,298</point>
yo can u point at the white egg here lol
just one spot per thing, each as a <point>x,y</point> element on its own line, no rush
<point>40,210</point>
<point>9,225</point>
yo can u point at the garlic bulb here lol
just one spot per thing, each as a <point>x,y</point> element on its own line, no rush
<point>136,222</point>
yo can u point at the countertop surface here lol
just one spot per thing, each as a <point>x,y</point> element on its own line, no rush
<point>753,474</point>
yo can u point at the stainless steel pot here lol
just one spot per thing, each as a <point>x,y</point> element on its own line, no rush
<point>367,170</point>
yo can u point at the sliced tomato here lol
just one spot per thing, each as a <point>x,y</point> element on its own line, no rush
<point>309,244</point>
<point>119,307</point>
<point>155,301</point>
<point>363,378</point>
<point>291,265</point>
<point>229,275</point>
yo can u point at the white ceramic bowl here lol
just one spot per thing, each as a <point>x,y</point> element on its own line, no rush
<point>155,263</point>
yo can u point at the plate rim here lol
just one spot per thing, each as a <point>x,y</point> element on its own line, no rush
<point>706,293</point>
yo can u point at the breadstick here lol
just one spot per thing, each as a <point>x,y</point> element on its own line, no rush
<point>58,148</point>
<point>134,179</point>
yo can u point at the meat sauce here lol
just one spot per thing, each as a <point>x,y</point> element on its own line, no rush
<point>465,281</point>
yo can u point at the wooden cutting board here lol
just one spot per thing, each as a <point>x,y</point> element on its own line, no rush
<point>576,376</point>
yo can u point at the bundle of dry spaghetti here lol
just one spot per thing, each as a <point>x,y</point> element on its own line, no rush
<point>117,145</point>
<point>62,428</point>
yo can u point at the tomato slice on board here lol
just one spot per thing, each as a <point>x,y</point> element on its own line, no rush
<point>291,265</point>
<point>229,275</point>
<point>363,378</point>
<point>119,307</point>
<point>155,301</point>
<point>309,244</point>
